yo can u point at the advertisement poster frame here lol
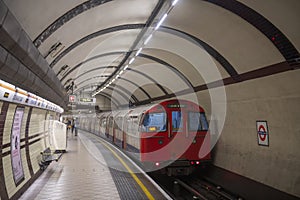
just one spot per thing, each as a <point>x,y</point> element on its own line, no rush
<point>15,148</point>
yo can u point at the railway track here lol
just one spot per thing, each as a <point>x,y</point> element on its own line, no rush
<point>189,187</point>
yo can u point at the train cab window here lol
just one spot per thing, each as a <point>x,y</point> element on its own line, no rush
<point>177,121</point>
<point>154,122</point>
<point>197,121</point>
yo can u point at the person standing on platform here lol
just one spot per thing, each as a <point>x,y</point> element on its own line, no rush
<point>68,125</point>
<point>73,125</point>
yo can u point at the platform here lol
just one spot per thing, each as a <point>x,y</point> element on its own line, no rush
<point>93,169</point>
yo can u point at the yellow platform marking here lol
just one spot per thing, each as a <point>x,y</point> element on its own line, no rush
<point>145,190</point>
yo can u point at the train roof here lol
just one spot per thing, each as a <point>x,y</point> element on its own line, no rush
<point>136,111</point>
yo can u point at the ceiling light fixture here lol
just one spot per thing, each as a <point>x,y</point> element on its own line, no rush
<point>174,2</point>
<point>131,60</point>
<point>148,39</point>
<point>138,52</point>
<point>161,21</point>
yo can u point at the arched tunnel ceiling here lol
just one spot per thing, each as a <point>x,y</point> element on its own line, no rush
<point>96,39</point>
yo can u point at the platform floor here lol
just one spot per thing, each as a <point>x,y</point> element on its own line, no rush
<point>92,169</point>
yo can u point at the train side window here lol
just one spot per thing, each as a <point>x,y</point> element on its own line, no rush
<point>203,121</point>
<point>177,121</point>
<point>197,121</point>
<point>154,122</point>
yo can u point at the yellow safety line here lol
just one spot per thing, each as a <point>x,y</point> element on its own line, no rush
<point>148,194</point>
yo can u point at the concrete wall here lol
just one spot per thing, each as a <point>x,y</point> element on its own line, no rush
<point>104,103</point>
<point>33,133</point>
<point>275,99</point>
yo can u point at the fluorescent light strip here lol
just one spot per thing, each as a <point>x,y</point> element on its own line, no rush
<point>161,21</point>
<point>121,72</point>
<point>125,67</point>
<point>148,39</point>
<point>174,2</point>
<point>138,52</point>
<point>131,60</point>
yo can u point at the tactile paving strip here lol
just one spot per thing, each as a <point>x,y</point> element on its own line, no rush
<point>126,185</point>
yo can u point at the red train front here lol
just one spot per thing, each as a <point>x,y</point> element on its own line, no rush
<point>172,134</point>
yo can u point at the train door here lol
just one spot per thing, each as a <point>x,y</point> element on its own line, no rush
<point>110,127</point>
<point>125,128</point>
<point>177,132</point>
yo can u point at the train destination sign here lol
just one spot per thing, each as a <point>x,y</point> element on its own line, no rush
<point>262,133</point>
<point>176,105</point>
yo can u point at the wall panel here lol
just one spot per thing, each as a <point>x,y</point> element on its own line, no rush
<point>34,128</point>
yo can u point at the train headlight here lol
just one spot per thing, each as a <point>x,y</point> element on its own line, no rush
<point>160,142</point>
<point>152,128</point>
<point>194,141</point>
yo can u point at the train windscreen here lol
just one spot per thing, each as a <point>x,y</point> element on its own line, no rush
<point>197,121</point>
<point>154,122</point>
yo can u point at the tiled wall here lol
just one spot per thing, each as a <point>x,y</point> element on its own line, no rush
<point>34,131</point>
<point>37,132</point>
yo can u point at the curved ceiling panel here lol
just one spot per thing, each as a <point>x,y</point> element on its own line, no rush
<point>76,55</point>
<point>192,52</point>
<point>282,14</point>
<point>97,80</point>
<point>141,80</point>
<point>122,98</point>
<point>182,65</point>
<point>105,61</point>
<point>137,91</point>
<point>27,12</point>
<point>164,76</point>
<point>132,86</point>
<point>100,71</point>
<point>76,66</point>
<point>95,44</point>
<point>100,18</point>
<point>232,36</point>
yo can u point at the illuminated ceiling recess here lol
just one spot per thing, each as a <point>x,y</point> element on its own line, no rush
<point>143,42</point>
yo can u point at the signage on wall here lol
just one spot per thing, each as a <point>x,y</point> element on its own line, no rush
<point>72,98</point>
<point>262,133</point>
<point>16,159</point>
<point>88,100</point>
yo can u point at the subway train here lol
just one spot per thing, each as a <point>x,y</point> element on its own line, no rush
<point>165,136</point>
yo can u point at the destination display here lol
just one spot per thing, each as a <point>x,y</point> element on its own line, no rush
<point>176,105</point>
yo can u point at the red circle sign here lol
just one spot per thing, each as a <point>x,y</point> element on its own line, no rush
<point>262,132</point>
